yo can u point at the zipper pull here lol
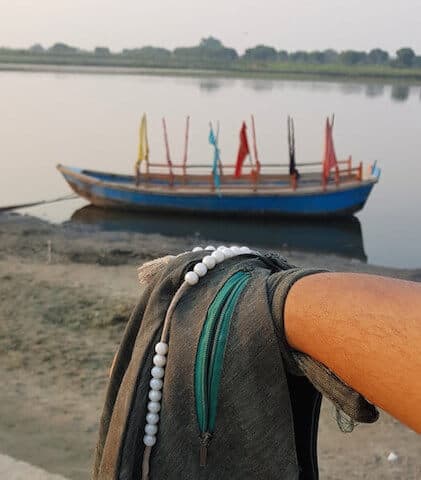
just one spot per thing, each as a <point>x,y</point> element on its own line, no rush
<point>205,440</point>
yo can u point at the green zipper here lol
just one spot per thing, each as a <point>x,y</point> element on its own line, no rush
<point>210,356</point>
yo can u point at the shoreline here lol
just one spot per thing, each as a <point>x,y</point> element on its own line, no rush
<point>121,245</point>
<point>63,310</point>
<point>287,74</point>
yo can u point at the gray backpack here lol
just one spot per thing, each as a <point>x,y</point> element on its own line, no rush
<point>204,385</point>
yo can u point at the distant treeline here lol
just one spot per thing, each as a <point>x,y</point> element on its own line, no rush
<point>211,53</point>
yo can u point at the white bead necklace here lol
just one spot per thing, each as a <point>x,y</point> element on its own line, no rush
<point>156,384</point>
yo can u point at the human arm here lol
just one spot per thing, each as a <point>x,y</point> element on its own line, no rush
<point>367,330</point>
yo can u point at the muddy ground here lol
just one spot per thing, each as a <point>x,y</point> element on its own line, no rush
<point>62,312</point>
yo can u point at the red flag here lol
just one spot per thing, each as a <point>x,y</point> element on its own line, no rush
<point>329,157</point>
<point>243,150</point>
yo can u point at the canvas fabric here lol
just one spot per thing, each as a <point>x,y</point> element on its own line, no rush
<point>266,425</point>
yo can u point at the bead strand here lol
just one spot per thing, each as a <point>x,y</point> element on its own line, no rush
<point>209,261</point>
<point>155,394</point>
<point>191,278</point>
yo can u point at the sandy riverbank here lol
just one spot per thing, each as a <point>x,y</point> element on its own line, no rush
<point>60,322</point>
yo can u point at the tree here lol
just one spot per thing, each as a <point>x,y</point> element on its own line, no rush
<point>330,55</point>
<point>261,53</point>
<point>62,49</point>
<point>148,53</point>
<point>299,56</point>
<point>316,57</point>
<point>102,51</point>
<point>211,43</point>
<point>405,57</point>
<point>283,55</point>
<point>36,48</point>
<point>210,50</point>
<point>417,61</point>
<point>378,56</point>
<point>353,57</point>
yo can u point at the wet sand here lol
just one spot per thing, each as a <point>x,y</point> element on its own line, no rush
<point>62,313</point>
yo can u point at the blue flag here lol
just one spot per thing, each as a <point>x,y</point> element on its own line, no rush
<point>216,159</point>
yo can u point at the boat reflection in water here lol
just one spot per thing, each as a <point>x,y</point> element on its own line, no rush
<point>338,236</point>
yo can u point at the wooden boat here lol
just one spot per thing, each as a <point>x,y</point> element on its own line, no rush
<point>270,195</point>
<point>264,189</point>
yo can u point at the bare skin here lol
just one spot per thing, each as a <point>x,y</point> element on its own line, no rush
<point>366,329</point>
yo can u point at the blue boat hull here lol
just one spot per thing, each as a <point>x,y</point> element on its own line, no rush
<point>338,201</point>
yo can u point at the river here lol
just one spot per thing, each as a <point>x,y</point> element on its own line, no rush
<point>91,120</point>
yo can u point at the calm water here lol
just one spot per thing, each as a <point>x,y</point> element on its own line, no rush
<point>92,121</point>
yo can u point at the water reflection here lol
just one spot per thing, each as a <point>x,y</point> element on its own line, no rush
<point>262,85</point>
<point>211,84</point>
<point>351,88</point>
<point>340,236</point>
<point>400,93</point>
<point>374,90</point>
<point>322,87</point>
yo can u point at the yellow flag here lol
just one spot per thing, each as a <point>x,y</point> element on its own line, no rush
<point>143,142</point>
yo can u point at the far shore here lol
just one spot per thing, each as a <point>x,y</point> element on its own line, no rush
<point>304,73</point>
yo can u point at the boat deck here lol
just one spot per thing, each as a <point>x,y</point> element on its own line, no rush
<point>201,183</point>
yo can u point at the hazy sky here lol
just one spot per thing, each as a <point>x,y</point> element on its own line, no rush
<point>286,24</point>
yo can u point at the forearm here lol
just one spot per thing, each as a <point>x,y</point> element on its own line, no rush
<point>367,330</point>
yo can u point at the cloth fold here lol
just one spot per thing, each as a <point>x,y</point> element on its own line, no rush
<point>259,433</point>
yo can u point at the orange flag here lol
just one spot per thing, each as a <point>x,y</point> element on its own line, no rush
<point>329,158</point>
<point>243,150</point>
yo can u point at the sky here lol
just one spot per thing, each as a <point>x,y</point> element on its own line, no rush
<point>284,24</point>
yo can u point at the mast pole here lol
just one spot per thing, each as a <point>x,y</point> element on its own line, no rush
<point>221,170</point>
<point>167,149</point>
<point>256,156</point>
<point>289,139</point>
<point>186,143</point>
